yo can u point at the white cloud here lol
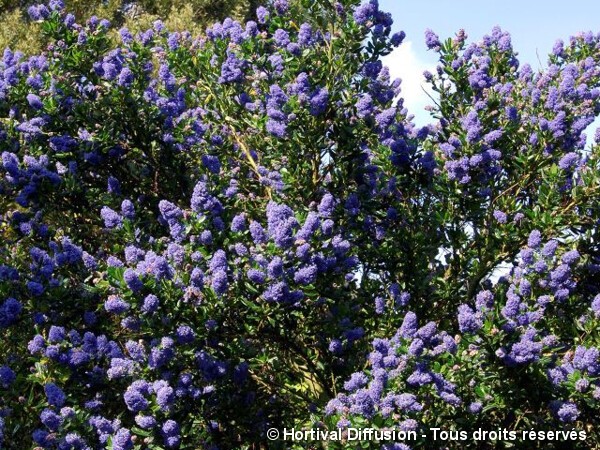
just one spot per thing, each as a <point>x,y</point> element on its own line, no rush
<point>404,63</point>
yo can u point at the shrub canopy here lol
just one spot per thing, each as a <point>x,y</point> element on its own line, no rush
<point>207,237</point>
<point>18,30</point>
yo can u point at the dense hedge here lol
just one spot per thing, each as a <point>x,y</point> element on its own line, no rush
<point>207,237</point>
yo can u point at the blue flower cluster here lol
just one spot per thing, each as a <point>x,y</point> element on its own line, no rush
<point>472,153</point>
<point>525,321</point>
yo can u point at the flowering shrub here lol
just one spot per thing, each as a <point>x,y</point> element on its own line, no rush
<point>17,29</point>
<point>208,237</point>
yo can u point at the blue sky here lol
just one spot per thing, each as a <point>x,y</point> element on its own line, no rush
<point>534,25</point>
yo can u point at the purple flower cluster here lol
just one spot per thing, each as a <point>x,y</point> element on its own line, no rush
<point>547,98</point>
<point>407,356</point>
